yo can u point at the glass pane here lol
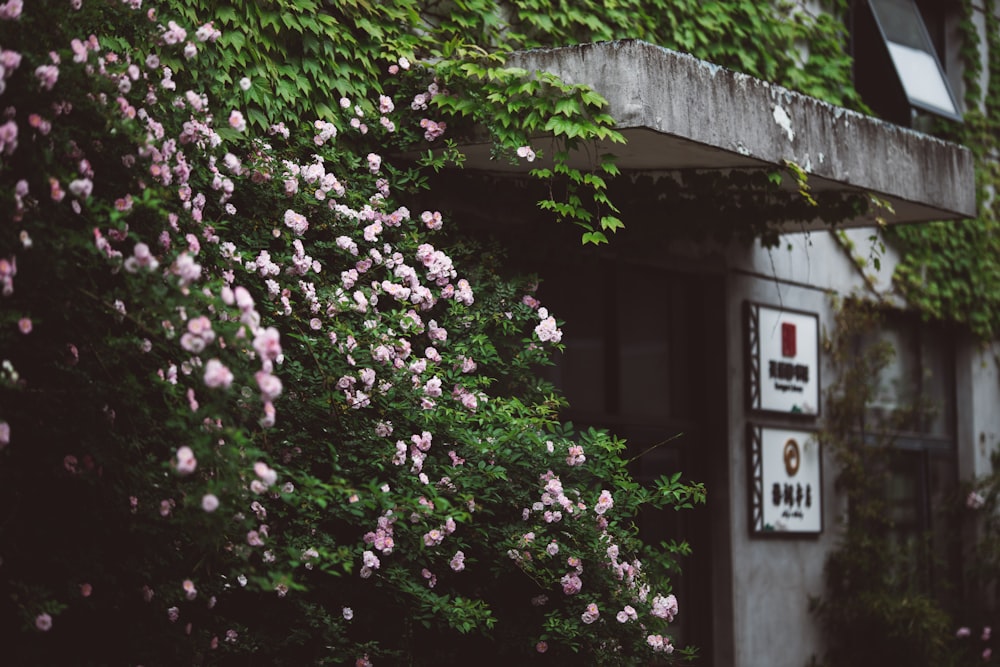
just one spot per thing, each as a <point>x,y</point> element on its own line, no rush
<point>921,79</point>
<point>901,22</point>
<point>896,383</point>
<point>937,382</point>
<point>916,388</point>
<point>913,55</point>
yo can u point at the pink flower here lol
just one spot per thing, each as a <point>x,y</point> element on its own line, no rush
<point>81,187</point>
<point>266,474</point>
<point>987,631</point>
<point>348,613</point>
<point>237,121</point>
<point>207,33</point>
<point>24,325</point>
<point>209,502</point>
<point>541,647</point>
<point>174,33</point>
<point>571,583</point>
<point>186,462</point>
<point>296,222</point>
<point>547,330</point>
<point>8,143</point>
<point>270,385</point>
<point>604,502</point>
<point>575,456</point>
<point>86,589</point>
<point>267,343</point>
<point>974,500</point>
<point>190,592</point>
<point>666,608</point>
<point>526,153</point>
<point>457,562</point>
<point>433,387</point>
<point>987,654</point>
<point>660,644</point>
<point>47,75</point>
<point>11,11</point>
<point>963,632</point>
<point>217,376</point>
<point>166,506</point>
<point>43,622</point>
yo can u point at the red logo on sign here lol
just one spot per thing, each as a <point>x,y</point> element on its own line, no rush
<point>787,339</point>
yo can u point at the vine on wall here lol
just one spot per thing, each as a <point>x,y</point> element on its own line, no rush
<point>875,609</point>
<point>950,271</point>
<point>304,57</point>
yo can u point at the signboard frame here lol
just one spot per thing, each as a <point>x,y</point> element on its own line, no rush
<point>785,481</point>
<point>763,393</point>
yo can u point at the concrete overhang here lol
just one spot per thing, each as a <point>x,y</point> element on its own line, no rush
<point>681,113</point>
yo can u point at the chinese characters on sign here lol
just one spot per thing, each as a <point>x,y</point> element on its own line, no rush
<point>786,479</point>
<point>784,360</point>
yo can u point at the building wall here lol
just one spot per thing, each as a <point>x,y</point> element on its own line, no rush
<point>772,579</point>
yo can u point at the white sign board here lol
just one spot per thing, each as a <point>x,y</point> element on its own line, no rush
<point>786,482</point>
<point>783,351</point>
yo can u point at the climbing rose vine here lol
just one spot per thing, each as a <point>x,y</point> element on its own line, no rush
<point>253,405</point>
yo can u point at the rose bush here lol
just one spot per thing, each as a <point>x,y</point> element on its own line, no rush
<point>254,408</point>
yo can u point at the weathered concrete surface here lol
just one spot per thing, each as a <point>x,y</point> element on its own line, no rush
<point>680,113</point>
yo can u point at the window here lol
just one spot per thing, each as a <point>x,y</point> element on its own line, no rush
<point>915,406</point>
<point>897,59</point>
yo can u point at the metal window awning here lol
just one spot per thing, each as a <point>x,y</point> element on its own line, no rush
<point>913,58</point>
<point>681,113</point>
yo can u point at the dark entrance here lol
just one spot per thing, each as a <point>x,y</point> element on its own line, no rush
<point>645,358</point>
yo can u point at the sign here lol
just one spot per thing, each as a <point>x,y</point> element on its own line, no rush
<point>785,482</point>
<point>782,360</point>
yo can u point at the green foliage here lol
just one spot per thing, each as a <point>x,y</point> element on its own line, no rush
<point>254,409</point>
<point>976,518</point>
<point>950,271</point>
<point>302,55</point>
<point>873,610</point>
<point>776,41</point>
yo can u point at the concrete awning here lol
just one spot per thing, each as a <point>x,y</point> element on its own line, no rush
<point>681,113</point>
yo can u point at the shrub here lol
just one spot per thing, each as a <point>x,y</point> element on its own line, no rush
<point>251,409</point>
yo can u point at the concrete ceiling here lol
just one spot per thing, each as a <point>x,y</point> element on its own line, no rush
<point>680,113</point>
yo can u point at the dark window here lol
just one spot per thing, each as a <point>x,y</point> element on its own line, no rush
<point>915,406</point>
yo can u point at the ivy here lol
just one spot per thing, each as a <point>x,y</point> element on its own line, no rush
<point>950,271</point>
<point>875,609</point>
<point>302,55</point>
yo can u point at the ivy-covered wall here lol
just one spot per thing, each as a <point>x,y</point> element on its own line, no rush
<point>951,270</point>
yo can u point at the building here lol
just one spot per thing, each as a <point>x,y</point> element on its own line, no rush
<point>719,342</point>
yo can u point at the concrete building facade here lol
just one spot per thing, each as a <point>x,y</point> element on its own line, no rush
<point>657,333</point>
